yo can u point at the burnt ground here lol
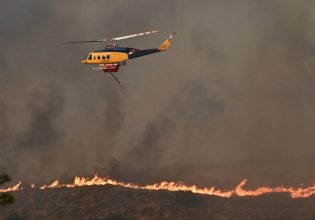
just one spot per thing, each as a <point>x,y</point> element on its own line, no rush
<point>113,203</point>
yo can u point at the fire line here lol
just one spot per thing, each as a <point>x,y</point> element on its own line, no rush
<point>299,192</point>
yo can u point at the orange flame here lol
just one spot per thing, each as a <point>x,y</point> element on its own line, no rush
<point>294,193</point>
<point>12,188</point>
<point>300,192</point>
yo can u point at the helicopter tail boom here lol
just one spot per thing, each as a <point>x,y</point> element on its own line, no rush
<point>164,46</point>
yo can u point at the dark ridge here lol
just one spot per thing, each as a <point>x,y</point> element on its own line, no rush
<point>112,202</point>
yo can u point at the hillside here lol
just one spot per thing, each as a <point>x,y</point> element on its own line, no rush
<point>113,203</point>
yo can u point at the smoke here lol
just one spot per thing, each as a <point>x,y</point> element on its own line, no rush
<point>236,85</point>
<point>169,133</point>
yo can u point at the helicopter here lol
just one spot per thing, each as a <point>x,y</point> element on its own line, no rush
<point>112,57</point>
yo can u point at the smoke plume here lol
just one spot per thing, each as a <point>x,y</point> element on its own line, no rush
<point>237,85</point>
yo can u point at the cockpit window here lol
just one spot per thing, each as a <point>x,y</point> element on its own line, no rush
<point>90,57</point>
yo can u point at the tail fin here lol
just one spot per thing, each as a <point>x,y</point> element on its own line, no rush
<point>165,45</point>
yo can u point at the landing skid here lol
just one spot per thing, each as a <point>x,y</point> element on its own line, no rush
<point>119,83</point>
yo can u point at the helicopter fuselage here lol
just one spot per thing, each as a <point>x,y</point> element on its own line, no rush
<point>109,59</point>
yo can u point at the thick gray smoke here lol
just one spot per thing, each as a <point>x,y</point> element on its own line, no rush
<point>236,85</point>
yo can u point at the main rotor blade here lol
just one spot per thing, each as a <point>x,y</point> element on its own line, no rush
<point>112,39</point>
<point>134,35</point>
<point>85,41</point>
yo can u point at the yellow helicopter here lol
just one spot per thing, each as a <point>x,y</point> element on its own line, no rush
<point>113,56</point>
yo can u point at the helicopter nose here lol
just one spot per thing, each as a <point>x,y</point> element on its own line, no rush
<point>83,61</point>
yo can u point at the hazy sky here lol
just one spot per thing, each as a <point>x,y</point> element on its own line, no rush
<point>238,83</point>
